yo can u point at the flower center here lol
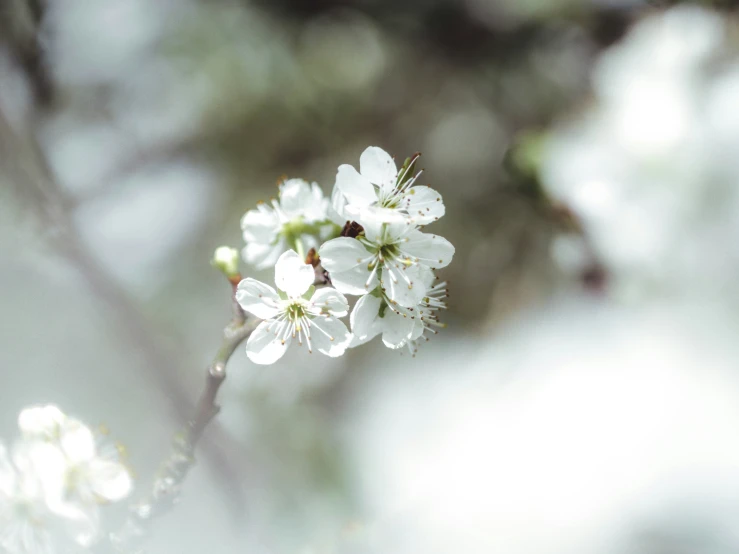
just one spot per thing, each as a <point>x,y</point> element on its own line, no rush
<point>388,251</point>
<point>295,311</point>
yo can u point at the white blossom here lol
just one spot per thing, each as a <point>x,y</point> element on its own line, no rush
<point>393,256</point>
<point>379,193</point>
<point>299,218</point>
<point>297,311</point>
<point>26,521</point>
<point>650,169</point>
<point>51,490</point>
<point>376,314</point>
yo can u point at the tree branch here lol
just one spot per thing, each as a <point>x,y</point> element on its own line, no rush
<point>168,484</point>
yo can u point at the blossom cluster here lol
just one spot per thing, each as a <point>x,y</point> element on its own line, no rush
<point>366,241</point>
<point>53,481</point>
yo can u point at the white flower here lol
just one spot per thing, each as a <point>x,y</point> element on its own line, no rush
<point>379,193</point>
<point>25,519</point>
<point>391,255</point>
<point>650,169</point>
<point>376,314</point>
<point>59,472</point>
<point>42,422</point>
<point>298,311</point>
<point>299,218</point>
<point>37,514</point>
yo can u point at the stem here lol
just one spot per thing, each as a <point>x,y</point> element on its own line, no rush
<point>168,484</point>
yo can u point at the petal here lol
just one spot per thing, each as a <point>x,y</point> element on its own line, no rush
<point>329,335</point>
<point>263,256</point>
<point>404,285</point>
<point>426,276</point>
<point>317,208</point>
<point>257,298</point>
<point>82,523</point>
<point>431,250</point>
<point>328,300</point>
<point>109,480</point>
<point>418,328</point>
<point>7,472</point>
<point>260,225</point>
<point>364,319</point>
<point>343,253</point>
<point>295,197</point>
<point>424,205</point>
<point>336,212</point>
<point>264,346</point>
<point>356,188</point>
<point>377,215</point>
<point>357,280</point>
<point>396,329</point>
<point>378,167</point>
<point>41,421</point>
<point>293,275</point>
<point>77,441</point>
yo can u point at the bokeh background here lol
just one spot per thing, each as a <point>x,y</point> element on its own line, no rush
<point>585,397</point>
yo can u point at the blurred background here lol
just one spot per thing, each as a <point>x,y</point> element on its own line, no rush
<point>585,397</point>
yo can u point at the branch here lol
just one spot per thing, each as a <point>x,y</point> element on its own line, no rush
<point>168,485</point>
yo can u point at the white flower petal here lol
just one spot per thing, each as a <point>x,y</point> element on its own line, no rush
<point>355,187</point>
<point>41,421</point>
<point>260,225</point>
<point>377,215</point>
<point>354,281</point>
<point>331,301</point>
<point>295,197</point>
<point>426,276</point>
<point>264,346</point>
<point>79,521</point>
<point>424,205</point>
<point>317,209</point>
<point>77,441</point>
<point>396,329</point>
<point>404,285</point>
<point>42,468</point>
<point>293,275</point>
<point>378,167</point>
<point>257,298</point>
<point>109,480</point>
<point>364,319</point>
<point>431,250</point>
<point>417,329</point>
<point>375,229</point>
<point>343,253</point>
<point>336,212</point>
<point>263,256</point>
<point>329,336</point>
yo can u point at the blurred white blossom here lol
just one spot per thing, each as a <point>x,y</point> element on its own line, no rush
<point>53,483</point>
<point>650,171</point>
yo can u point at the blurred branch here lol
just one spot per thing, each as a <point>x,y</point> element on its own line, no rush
<point>29,171</point>
<point>166,489</point>
<point>20,20</point>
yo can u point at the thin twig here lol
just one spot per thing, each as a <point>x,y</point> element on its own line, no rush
<point>167,486</point>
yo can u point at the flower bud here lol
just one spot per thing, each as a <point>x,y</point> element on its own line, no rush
<point>226,259</point>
